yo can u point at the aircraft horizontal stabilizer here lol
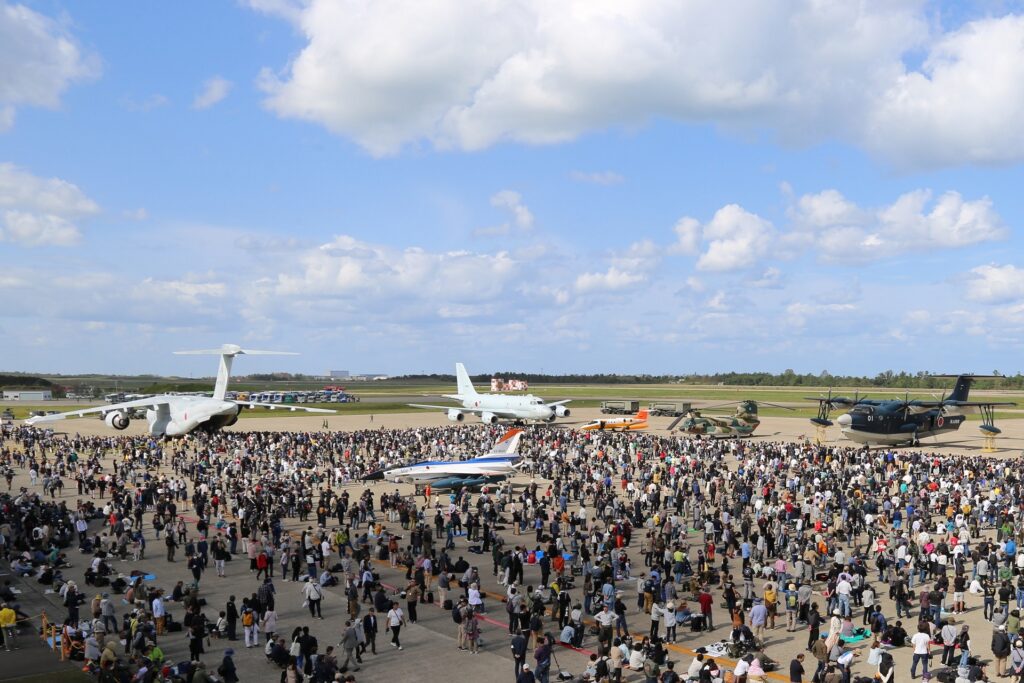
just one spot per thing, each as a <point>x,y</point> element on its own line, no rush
<point>234,350</point>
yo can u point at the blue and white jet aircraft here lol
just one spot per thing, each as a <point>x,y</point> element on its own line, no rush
<point>502,461</point>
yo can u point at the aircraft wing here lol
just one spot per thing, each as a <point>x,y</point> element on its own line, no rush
<point>153,402</point>
<point>284,406</point>
<point>559,403</point>
<point>471,411</point>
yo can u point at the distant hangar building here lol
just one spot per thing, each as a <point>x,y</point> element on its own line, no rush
<point>338,374</point>
<point>28,395</point>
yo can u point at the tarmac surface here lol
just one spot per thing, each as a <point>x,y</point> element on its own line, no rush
<point>430,652</point>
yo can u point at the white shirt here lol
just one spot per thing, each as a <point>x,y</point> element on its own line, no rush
<point>395,617</point>
<point>921,641</point>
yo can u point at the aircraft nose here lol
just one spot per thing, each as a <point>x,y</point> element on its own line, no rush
<point>844,421</point>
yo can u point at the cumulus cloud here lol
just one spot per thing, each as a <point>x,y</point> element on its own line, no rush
<point>964,105</point>
<point>39,59</point>
<point>349,267</point>
<point>687,232</point>
<point>841,231</point>
<point>735,239</point>
<point>995,284</point>
<point>611,280</point>
<point>214,90</point>
<point>40,211</point>
<point>469,75</point>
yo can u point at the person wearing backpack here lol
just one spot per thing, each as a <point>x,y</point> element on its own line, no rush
<point>457,617</point>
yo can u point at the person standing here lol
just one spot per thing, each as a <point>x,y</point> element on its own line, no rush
<point>1000,649</point>
<point>542,655</point>
<point>796,669</point>
<point>921,642</point>
<point>370,631</point>
<point>518,647</point>
<point>706,601</point>
<point>231,616</point>
<point>396,620</point>
<point>472,629</point>
<point>159,613</point>
<point>948,636</point>
<point>314,596</point>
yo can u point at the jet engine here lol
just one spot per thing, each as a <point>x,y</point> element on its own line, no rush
<point>562,411</point>
<point>117,419</point>
<point>456,415</point>
<point>489,418</point>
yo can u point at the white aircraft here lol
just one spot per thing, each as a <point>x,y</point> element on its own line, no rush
<point>500,462</point>
<point>494,407</point>
<point>179,415</point>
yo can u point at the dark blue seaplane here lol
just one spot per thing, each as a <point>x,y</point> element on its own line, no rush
<point>892,422</point>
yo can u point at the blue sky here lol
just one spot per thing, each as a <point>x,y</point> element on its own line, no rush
<point>657,187</point>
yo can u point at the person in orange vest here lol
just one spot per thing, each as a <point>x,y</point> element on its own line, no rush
<point>426,493</point>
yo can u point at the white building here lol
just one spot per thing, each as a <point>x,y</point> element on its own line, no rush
<point>28,395</point>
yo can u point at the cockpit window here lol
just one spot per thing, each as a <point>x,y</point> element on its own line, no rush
<point>863,410</point>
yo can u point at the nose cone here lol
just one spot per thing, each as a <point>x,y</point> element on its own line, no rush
<point>844,421</point>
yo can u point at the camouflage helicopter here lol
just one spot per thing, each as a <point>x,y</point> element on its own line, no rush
<point>742,423</point>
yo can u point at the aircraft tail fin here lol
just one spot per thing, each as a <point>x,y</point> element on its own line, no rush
<point>465,387</point>
<point>508,444</point>
<point>227,354</point>
<point>962,388</point>
<point>642,414</point>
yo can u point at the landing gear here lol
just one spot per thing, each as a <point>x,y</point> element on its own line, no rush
<point>988,443</point>
<point>988,429</point>
<point>819,434</point>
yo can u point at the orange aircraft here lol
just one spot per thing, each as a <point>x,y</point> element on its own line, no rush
<point>618,424</point>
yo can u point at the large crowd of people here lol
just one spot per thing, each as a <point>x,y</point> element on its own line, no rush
<point>639,539</point>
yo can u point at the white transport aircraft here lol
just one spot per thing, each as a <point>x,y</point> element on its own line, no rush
<point>170,415</point>
<point>494,407</point>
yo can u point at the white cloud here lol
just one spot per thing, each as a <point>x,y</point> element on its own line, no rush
<point>38,230</point>
<point>611,280</point>
<point>841,231</point>
<point>39,59</point>
<point>469,75</point>
<point>995,284</point>
<point>735,239</point>
<point>40,211</point>
<point>597,177</point>
<point>641,256</point>
<point>349,267</point>
<point>190,292</point>
<point>214,90</point>
<point>521,216</point>
<point>139,214</point>
<point>964,105</point>
<point>687,232</point>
